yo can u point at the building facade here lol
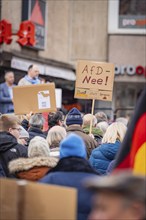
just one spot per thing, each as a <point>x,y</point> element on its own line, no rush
<point>71,30</point>
<point>127,49</point>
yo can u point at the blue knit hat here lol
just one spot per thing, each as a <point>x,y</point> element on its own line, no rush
<point>72,145</point>
<point>74,117</point>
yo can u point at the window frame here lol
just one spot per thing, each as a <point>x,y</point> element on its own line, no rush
<point>113,20</point>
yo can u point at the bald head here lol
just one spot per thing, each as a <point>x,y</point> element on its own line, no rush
<point>33,71</point>
<point>9,78</point>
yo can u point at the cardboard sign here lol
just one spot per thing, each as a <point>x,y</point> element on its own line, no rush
<point>94,80</point>
<point>35,98</point>
<point>8,199</point>
<point>27,200</point>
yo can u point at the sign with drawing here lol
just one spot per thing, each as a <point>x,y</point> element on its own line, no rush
<point>35,98</point>
<point>43,99</point>
<point>94,80</point>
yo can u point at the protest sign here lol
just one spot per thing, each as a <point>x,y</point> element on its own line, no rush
<point>58,93</point>
<point>8,199</point>
<point>34,98</point>
<point>94,80</point>
<point>27,200</point>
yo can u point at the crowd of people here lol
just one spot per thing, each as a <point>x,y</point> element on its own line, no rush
<point>67,154</point>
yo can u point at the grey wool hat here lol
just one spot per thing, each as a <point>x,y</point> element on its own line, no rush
<point>38,147</point>
<point>23,133</point>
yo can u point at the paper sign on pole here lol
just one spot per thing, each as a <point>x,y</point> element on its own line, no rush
<point>35,98</point>
<point>94,80</point>
<point>58,93</point>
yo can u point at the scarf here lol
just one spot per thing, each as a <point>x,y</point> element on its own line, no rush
<point>32,81</point>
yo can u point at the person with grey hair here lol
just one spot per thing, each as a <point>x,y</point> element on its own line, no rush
<point>36,126</point>
<point>103,125</point>
<point>118,197</point>
<point>38,163</point>
<point>6,93</point>
<point>55,135</point>
<point>101,116</point>
<point>97,132</point>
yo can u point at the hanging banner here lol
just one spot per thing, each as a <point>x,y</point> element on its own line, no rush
<point>94,80</point>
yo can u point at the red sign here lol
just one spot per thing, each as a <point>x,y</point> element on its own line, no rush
<point>26,33</point>
<point>130,70</point>
<point>5,32</point>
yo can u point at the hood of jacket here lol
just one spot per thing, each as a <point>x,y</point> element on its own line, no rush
<point>7,141</point>
<point>73,128</point>
<point>74,164</point>
<point>95,131</point>
<point>25,164</point>
<point>108,150</point>
<point>35,130</point>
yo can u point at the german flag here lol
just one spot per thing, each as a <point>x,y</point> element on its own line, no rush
<point>132,154</point>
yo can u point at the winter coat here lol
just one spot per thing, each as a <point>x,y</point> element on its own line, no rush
<point>89,141</point>
<point>110,167</point>
<point>32,169</point>
<point>33,131</point>
<point>102,156</point>
<point>10,150</point>
<point>71,172</point>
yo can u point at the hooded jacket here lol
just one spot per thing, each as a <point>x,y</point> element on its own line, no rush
<point>71,172</point>
<point>102,156</point>
<point>89,141</point>
<point>32,169</point>
<point>10,150</point>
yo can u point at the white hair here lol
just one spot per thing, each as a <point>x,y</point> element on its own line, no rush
<point>87,119</point>
<point>123,120</point>
<point>55,135</point>
<point>38,147</point>
<point>103,125</point>
<point>115,131</point>
<point>101,116</point>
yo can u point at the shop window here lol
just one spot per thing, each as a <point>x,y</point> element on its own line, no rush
<point>127,16</point>
<point>125,98</point>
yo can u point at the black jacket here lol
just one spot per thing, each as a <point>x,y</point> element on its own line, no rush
<point>10,150</point>
<point>33,131</point>
<point>25,124</point>
<point>2,173</point>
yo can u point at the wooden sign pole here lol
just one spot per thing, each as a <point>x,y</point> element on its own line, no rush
<point>92,112</point>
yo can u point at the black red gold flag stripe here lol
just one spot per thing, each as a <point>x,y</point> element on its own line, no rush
<point>132,154</point>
